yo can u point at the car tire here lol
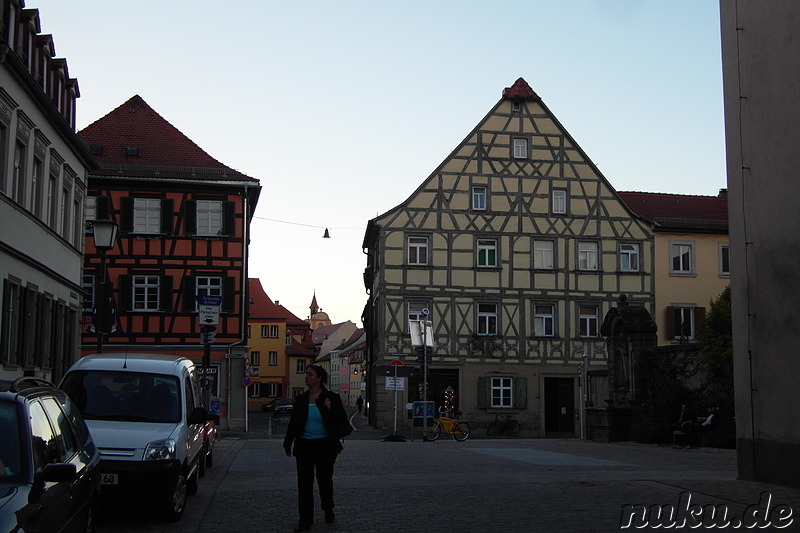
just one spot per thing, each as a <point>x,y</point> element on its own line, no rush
<point>193,483</point>
<point>175,500</point>
<point>210,458</point>
<point>201,464</point>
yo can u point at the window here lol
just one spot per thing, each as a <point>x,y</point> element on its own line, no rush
<point>264,332</point>
<point>516,107</point>
<point>724,260</point>
<point>288,338</point>
<point>273,332</point>
<point>273,359</point>
<point>88,292</point>
<point>543,320</point>
<point>417,250</point>
<point>272,390</point>
<point>146,215</point>
<point>301,366</point>
<point>487,319</point>
<point>415,310</point>
<point>681,257</point>
<point>209,217</point>
<point>51,207</point>
<point>587,320</point>
<point>520,148</point>
<point>65,211</point>
<point>487,253</point>
<point>207,286</point>
<point>18,183</point>
<point>255,358</point>
<point>558,201</point>
<point>587,256</point>
<point>683,323</point>
<point>629,257</point>
<point>502,392</point>
<point>543,254</point>
<point>479,198</point>
<point>145,293</point>
<point>37,184</point>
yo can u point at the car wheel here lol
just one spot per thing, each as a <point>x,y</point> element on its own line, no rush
<point>90,516</point>
<point>193,483</point>
<point>175,500</point>
<point>202,462</point>
<point>210,458</point>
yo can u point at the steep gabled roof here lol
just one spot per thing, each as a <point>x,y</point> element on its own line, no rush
<point>158,145</point>
<point>520,91</point>
<point>678,211</point>
<point>263,308</point>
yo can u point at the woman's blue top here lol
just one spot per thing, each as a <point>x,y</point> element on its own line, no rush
<point>315,427</point>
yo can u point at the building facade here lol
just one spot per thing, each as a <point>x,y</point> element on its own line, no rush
<point>43,182</point>
<point>692,260</point>
<point>517,246</point>
<point>184,228</point>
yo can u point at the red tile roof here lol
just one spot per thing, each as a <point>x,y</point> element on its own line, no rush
<point>159,144</point>
<point>263,308</point>
<point>519,91</point>
<point>677,210</point>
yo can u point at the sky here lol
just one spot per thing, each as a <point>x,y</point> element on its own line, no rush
<point>343,108</point>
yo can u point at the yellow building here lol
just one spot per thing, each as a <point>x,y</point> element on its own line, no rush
<point>517,246</point>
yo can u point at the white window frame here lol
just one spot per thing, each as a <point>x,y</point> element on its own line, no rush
<point>520,148</point>
<point>264,332</point>
<point>209,217</point>
<point>682,258</point>
<point>88,288</point>
<point>544,254</point>
<point>484,258</point>
<point>558,201</point>
<point>207,286</point>
<point>724,257</point>
<point>683,313</point>
<point>300,366</point>
<point>145,292</point>
<point>415,308</point>
<point>479,197</point>
<point>418,250</point>
<point>629,257</point>
<point>588,255</point>
<point>502,392</point>
<point>487,319</point>
<point>272,359</point>
<point>147,215</point>
<point>272,390</point>
<point>588,320</point>
<point>544,320</point>
<point>255,390</point>
<point>255,358</point>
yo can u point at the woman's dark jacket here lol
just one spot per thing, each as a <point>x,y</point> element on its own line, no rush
<point>334,419</point>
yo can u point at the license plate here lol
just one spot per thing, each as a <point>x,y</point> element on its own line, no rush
<point>109,479</point>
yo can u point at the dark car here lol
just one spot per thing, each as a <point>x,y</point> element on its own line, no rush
<point>49,477</point>
<point>278,406</point>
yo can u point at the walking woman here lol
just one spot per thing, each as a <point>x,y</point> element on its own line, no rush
<point>317,423</point>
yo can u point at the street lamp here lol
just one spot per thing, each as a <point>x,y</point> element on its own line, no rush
<point>104,234</point>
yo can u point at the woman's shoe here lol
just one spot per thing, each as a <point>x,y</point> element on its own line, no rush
<point>303,526</point>
<point>330,518</point>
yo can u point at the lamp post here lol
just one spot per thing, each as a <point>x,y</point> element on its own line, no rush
<point>104,234</point>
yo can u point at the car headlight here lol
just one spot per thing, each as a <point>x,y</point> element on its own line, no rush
<point>160,450</point>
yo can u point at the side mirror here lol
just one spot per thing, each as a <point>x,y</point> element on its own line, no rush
<point>198,416</point>
<point>54,473</point>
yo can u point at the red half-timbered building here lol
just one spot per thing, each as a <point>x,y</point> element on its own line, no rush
<point>183,220</point>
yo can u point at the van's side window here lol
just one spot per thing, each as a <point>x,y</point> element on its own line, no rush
<point>188,396</point>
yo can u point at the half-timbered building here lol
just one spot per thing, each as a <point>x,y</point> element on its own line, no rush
<point>184,222</point>
<point>517,246</point>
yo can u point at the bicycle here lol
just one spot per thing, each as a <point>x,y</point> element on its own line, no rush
<point>503,425</point>
<point>459,430</point>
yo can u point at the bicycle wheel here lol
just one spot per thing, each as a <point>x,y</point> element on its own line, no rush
<point>461,431</point>
<point>513,428</point>
<point>495,428</point>
<point>434,430</point>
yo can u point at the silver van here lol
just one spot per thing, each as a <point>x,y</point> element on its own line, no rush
<point>146,415</point>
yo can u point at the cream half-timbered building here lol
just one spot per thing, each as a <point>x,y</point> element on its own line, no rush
<point>518,246</point>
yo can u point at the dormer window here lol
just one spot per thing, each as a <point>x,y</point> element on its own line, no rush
<point>132,150</point>
<point>516,107</point>
<point>96,149</point>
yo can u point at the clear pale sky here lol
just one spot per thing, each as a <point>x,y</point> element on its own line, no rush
<point>342,108</point>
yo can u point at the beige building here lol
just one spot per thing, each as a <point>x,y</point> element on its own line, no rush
<point>692,265</point>
<point>518,246</point>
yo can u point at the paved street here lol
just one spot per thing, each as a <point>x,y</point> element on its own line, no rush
<point>539,485</point>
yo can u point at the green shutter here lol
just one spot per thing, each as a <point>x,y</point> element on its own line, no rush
<point>102,207</point>
<point>126,292</point>
<point>126,215</point>
<point>520,393</point>
<point>483,392</point>
<point>228,294</point>
<point>165,294</point>
<point>190,217</point>
<point>228,218</point>
<point>167,216</point>
<point>189,292</point>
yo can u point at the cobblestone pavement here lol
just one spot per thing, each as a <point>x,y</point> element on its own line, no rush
<point>487,485</point>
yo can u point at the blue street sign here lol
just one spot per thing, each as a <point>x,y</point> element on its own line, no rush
<point>208,299</point>
<point>419,410</point>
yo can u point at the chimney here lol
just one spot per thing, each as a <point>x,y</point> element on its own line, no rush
<point>723,192</point>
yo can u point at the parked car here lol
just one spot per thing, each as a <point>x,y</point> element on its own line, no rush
<point>147,416</point>
<point>278,406</point>
<point>49,465</point>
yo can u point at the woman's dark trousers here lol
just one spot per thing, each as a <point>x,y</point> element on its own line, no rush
<point>314,456</point>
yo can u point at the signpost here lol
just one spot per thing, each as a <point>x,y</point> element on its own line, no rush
<point>422,335</point>
<point>208,307</point>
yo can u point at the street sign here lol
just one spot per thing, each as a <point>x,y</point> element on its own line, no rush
<point>419,411</point>
<point>246,381</point>
<point>401,371</point>
<point>208,309</point>
<point>395,383</point>
<point>396,362</point>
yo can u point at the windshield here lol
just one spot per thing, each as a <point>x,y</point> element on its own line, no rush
<point>10,458</point>
<point>124,396</point>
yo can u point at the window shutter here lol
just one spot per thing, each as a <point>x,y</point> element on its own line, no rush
<point>189,292</point>
<point>166,216</point>
<point>483,392</point>
<point>5,331</point>
<point>520,393</point>
<point>126,214</point>
<point>103,207</point>
<point>669,329</point>
<point>126,292</point>
<point>228,218</point>
<point>699,317</point>
<point>279,389</point>
<point>165,293</point>
<point>228,294</point>
<point>30,315</point>
<point>190,217</point>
